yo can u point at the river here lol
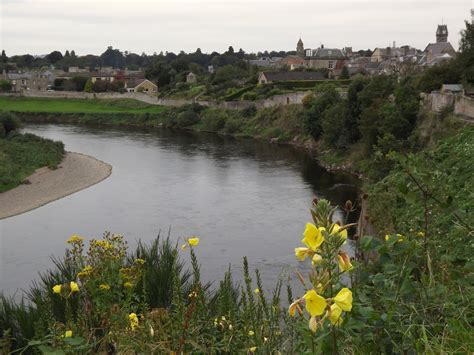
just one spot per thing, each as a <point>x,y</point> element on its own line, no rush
<point>242,197</point>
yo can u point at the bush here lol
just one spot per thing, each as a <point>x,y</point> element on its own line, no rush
<point>9,122</point>
<point>187,118</point>
<point>5,86</point>
<point>214,119</point>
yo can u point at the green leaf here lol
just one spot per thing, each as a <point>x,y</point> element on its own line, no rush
<point>74,341</point>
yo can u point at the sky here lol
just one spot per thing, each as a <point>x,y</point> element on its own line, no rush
<point>89,26</point>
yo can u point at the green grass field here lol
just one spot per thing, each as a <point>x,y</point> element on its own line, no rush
<point>46,105</point>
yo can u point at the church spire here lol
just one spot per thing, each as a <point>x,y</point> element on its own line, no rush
<point>300,48</point>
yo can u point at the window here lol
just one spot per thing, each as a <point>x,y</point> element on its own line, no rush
<point>330,64</point>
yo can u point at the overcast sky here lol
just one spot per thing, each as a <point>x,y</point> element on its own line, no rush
<point>89,26</point>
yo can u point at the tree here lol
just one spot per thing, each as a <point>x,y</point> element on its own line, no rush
<point>4,57</point>
<point>67,54</point>
<point>112,58</point>
<point>54,57</point>
<point>335,127</point>
<point>316,105</point>
<point>345,73</point>
<point>73,54</point>
<point>88,87</point>
<point>230,50</point>
<point>5,86</point>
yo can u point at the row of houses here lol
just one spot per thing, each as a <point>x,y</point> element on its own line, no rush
<point>42,80</point>
<point>382,60</point>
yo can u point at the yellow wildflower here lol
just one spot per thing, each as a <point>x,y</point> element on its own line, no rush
<point>293,307</point>
<point>74,286</point>
<point>251,333</point>
<point>253,349</point>
<point>68,334</point>
<point>57,289</point>
<point>184,246</point>
<point>334,315</point>
<point>257,291</point>
<point>302,253</point>
<point>336,229</point>
<point>133,321</point>
<point>104,287</point>
<point>317,259</point>
<point>344,299</point>
<point>193,241</point>
<point>313,238</point>
<point>387,237</point>
<point>128,285</point>
<point>75,239</point>
<point>139,261</point>
<point>152,331</point>
<point>315,304</point>
<point>344,262</point>
<point>313,324</point>
<point>420,234</point>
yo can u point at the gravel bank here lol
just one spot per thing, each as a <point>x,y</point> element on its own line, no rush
<point>75,173</point>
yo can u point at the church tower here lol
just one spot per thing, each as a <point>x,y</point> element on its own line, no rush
<point>300,48</point>
<point>442,34</point>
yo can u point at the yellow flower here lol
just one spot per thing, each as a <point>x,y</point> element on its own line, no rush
<point>184,246</point>
<point>313,324</point>
<point>57,289</point>
<point>387,237</point>
<point>128,285</point>
<point>140,261</point>
<point>85,272</point>
<point>152,331</point>
<point>68,334</point>
<point>74,286</point>
<point>104,287</point>
<point>257,291</point>
<point>400,238</point>
<point>313,238</point>
<point>75,239</point>
<point>421,234</point>
<point>132,317</point>
<point>317,259</point>
<point>315,304</point>
<point>251,333</point>
<point>344,299</point>
<point>344,262</point>
<point>335,229</point>
<point>335,315</point>
<point>253,349</point>
<point>302,253</point>
<point>193,241</point>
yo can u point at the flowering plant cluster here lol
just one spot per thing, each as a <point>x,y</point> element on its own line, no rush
<point>325,298</point>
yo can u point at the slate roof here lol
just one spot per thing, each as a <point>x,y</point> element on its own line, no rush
<point>439,48</point>
<point>294,76</point>
<point>329,53</point>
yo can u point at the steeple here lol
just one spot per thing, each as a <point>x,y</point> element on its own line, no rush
<point>442,34</point>
<point>300,48</point>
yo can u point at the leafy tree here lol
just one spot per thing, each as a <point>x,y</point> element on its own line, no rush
<point>5,85</point>
<point>335,129</point>
<point>9,122</point>
<point>3,57</point>
<point>79,82</point>
<point>433,78</point>
<point>112,58</point>
<point>316,105</point>
<point>345,73</point>
<point>54,57</point>
<point>67,54</point>
<point>88,87</point>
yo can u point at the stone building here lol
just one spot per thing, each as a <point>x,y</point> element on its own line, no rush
<point>141,85</point>
<point>300,48</point>
<point>441,51</point>
<point>26,81</point>
<point>326,58</point>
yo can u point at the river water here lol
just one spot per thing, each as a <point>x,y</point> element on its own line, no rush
<point>242,197</point>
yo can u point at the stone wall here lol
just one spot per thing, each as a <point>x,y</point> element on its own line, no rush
<point>462,105</point>
<point>277,100</point>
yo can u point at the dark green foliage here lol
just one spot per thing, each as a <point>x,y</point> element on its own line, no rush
<point>187,118</point>
<point>345,73</point>
<point>315,106</point>
<point>336,127</point>
<point>9,122</point>
<point>5,86</point>
<point>433,78</point>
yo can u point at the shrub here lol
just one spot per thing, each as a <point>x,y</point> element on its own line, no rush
<point>187,118</point>
<point>9,122</point>
<point>214,119</point>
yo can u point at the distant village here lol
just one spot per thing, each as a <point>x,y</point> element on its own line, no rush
<point>304,64</point>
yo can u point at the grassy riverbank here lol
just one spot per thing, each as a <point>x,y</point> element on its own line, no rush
<point>46,105</point>
<point>22,154</point>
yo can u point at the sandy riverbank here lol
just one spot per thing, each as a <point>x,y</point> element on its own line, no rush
<point>76,172</point>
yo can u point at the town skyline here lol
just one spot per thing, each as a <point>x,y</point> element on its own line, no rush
<point>188,25</point>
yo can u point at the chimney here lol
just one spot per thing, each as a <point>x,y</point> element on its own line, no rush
<point>322,45</point>
<point>394,44</point>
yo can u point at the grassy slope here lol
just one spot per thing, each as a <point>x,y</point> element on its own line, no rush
<point>21,155</point>
<point>76,105</point>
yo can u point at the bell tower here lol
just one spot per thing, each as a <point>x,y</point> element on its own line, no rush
<point>300,48</point>
<point>442,34</point>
